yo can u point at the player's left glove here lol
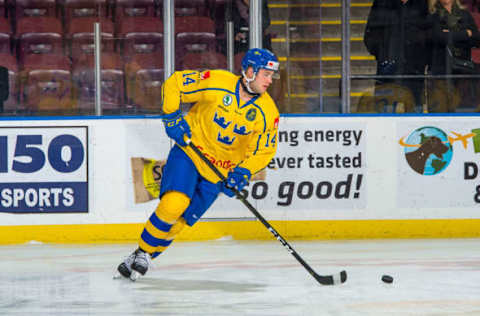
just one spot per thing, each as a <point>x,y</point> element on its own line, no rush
<point>176,127</point>
<point>237,178</point>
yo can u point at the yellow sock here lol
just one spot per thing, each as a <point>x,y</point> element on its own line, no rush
<point>157,229</point>
<point>176,228</point>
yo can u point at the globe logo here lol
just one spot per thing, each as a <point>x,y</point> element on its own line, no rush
<point>428,150</point>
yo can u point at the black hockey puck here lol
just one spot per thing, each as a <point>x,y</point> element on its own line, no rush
<point>387,278</point>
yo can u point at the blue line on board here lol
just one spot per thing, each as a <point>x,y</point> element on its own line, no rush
<point>130,117</point>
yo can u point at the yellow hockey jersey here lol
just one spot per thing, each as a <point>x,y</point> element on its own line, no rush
<point>227,130</point>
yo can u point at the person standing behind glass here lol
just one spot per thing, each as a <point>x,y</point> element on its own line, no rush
<point>396,34</point>
<point>454,33</point>
<point>241,22</point>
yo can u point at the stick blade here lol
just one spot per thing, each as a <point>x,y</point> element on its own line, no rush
<point>333,279</point>
<point>343,277</point>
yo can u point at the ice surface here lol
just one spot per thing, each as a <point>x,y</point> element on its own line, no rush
<point>224,277</point>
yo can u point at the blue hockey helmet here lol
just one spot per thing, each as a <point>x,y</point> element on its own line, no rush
<point>259,58</point>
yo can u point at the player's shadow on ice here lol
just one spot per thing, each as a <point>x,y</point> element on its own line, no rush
<point>149,284</point>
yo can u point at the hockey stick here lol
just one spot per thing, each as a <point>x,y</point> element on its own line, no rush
<point>322,279</point>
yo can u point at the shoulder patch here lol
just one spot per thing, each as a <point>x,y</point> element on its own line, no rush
<point>251,114</point>
<point>205,75</point>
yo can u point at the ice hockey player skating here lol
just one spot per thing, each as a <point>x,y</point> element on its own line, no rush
<point>233,122</point>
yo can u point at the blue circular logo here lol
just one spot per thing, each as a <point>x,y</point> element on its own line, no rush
<point>251,114</point>
<point>428,150</point>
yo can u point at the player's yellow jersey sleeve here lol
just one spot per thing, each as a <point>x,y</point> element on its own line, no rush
<point>264,144</point>
<point>180,88</point>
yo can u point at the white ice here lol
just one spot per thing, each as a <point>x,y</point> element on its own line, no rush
<point>431,277</point>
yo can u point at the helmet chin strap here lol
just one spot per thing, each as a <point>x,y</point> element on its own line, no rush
<point>248,80</point>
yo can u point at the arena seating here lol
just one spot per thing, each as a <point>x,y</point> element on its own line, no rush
<point>39,35</point>
<point>34,8</point>
<point>112,82</point>
<point>5,36</point>
<point>144,75</point>
<point>80,36</point>
<point>85,8</point>
<point>132,30</point>
<point>12,104</point>
<point>140,35</point>
<point>193,34</point>
<point>204,60</point>
<point>47,83</point>
<point>134,8</point>
<point>191,8</point>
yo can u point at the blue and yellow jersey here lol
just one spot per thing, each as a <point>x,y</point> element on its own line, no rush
<point>227,130</point>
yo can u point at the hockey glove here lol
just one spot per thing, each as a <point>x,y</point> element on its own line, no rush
<point>237,178</point>
<point>176,127</point>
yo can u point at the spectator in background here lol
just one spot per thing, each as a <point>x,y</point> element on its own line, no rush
<point>396,34</point>
<point>241,22</point>
<point>454,33</point>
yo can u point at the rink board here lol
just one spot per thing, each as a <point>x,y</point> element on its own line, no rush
<point>95,179</point>
<point>249,230</point>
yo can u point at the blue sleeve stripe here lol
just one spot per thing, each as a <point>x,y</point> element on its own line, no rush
<point>154,242</point>
<point>237,92</point>
<point>264,127</point>
<point>155,254</point>
<point>263,115</point>
<point>258,144</point>
<point>199,90</point>
<point>159,224</point>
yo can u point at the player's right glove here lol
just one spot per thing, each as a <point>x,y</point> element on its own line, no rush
<point>176,127</point>
<point>226,190</point>
<point>237,178</point>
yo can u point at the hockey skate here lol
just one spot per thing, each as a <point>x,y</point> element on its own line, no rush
<point>134,265</point>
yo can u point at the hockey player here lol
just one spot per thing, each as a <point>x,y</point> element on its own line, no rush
<point>233,122</point>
